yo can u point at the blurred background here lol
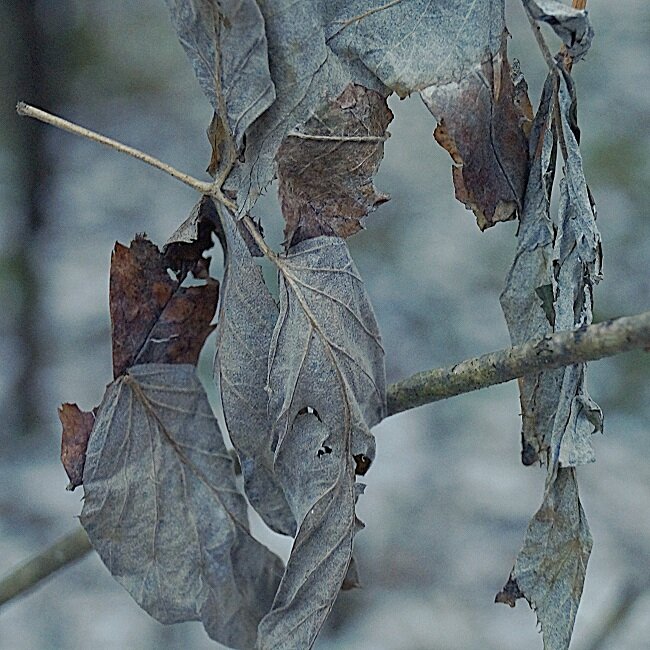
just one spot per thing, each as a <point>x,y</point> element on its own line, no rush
<point>448,501</point>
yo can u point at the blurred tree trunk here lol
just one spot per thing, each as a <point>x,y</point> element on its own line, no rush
<point>31,55</point>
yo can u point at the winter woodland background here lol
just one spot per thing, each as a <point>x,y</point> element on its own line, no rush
<point>448,501</point>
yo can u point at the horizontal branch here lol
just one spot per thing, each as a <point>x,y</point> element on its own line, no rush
<point>560,349</point>
<point>68,549</point>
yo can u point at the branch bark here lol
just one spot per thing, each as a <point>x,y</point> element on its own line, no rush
<point>67,550</point>
<point>560,349</point>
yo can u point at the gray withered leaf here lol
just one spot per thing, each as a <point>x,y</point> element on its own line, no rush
<point>326,388</point>
<point>482,126</point>
<point>318,47</point>
<point>550,569</point>
<point>247,316</point>
<point>571,25</point>
<point>326,169</point>
<point>577,267</point>
<point>549,287</point>
<point>163,511</point>
<point>527,299</point>
<point>229,32</point>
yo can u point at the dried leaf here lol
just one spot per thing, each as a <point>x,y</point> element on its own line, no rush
<point>154,319</point>
<point>316,49</point>
<point>327,387</point>
<point>183,251</point>
<point>550,569</point>
<point>571,25</point>
<point>228,35</point>
<point>326,168</point>
<point>480,124</point>
<point>162,509</point>
<point>559,417</point>
<point>528,316</point>
<point>77,425</point>
<point>247,316</point>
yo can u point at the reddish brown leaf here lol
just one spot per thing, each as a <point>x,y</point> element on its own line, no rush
<point>77,425</point>
<point>325,169</point>
<point>154,319</point>
<point>482,123</point>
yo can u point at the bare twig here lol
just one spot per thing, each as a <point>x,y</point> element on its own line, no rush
<point>560,349</point>
<point>71,127</point>
<point>67,550</point>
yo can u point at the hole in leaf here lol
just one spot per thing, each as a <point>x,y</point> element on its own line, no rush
<point>325,449</point>
<point>362,464</point>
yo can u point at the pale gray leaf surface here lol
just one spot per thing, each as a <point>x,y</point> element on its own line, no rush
<point>522,300</point>
<point>163,511</point>
<point>247,317</point>
<point>559,417</point>
<point>327,387</point>
<point>317,48</point>
<point>551,567</point>
<point>234,30</point>
<point>549,287</point>
<point>571,25</point>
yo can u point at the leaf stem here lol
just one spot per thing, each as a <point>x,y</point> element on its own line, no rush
<point>30,111</point>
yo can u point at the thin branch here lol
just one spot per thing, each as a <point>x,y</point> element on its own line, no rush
<point>560,349</point>
<point>30,111</point>
<point>67,550</point>
<point>546,52</point>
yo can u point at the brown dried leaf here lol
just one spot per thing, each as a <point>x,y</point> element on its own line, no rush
<point>154,319</point>
<point>77,425</point>
<point>482,123</point>
<point>325,169</point>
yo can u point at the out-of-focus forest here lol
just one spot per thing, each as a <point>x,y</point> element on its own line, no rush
<point>448,500</point>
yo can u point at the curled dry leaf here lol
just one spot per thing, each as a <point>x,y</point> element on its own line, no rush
<point>247,316</point>
<point>550,569</point>
<point>282,61</point>
<point>154,319</point>
<point>227,36</point>
<point>327,388</point>
<point>481,123</point>
<point>163,511</point>
<point>571,25</point>
<point>326,167</point>
<point>550,287</point>
<point>77,425</point>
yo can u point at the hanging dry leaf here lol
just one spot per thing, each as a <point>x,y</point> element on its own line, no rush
<point>550,287</point>
<point>162,508</point>
<point>227,36</point>
<point>314,50</point>
<point>77,425</point>
<point>327,388</point>
<point>571,25</point>
<point>550,569</point>
<point>480,124</point>
<point>326,167</point>
<point>247,316</point>
<point>154,319</point>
